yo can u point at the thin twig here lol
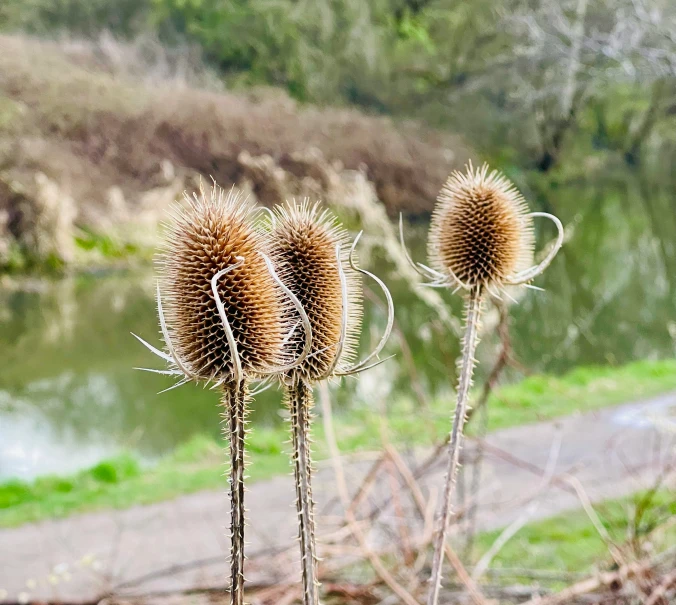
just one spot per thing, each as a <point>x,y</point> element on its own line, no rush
<point>604,579</point>
<point>660,591</point>
<point>515,526</point>
<point>377,564</point>
<point>367,483</point>
<point>588,507</point>
<point>419,499</point>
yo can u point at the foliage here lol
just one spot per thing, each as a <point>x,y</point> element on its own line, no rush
<point>106,245</point>
<point>310,47</point>
<point>523,80</point>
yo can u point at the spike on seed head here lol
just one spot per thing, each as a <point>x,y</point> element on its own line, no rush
<point>480,230</point>
<point>303,240</point>
<point>210,232</point>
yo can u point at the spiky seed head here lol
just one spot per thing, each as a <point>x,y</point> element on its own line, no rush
<point>480,228</point>
<point>304,241</point>
<point>207,234</point>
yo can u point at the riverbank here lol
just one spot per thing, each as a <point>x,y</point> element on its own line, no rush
<point>199,464</point>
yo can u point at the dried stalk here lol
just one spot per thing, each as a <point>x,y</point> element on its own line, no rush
<point>307,246</point>
<point>235,400</point>
<point>341,484</point>
<point>481,240</point>
<point>300,402</point>
<point>472,314</point>
<point>226,321</point>
<point>603,579</point>
<point>414,488</point>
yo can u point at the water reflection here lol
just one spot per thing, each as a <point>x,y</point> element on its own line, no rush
<point>69,397</point>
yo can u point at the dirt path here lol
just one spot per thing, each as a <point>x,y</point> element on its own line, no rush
<point>612,452</point>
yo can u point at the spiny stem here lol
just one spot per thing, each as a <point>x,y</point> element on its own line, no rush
<point>235,398</point>
<point>472,313</point>
<point>300,401</point>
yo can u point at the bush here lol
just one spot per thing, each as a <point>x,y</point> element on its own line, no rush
<point>116,470</point>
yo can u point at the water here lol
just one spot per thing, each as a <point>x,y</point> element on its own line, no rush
<point>69,396</point>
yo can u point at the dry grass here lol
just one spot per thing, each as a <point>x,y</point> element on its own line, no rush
<point>92,126</point>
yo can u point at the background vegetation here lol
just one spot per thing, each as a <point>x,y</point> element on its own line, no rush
<point>533,83</point>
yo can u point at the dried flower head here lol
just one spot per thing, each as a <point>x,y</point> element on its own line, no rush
<point>481,232</point>
<point>212,243</point>
<point>307,246</point>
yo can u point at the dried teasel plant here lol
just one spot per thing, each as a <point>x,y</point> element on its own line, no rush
<point>308,249</point>
<point>480,242</point>
<point>225,320</point>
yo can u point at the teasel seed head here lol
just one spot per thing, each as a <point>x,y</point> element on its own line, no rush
<point>304,240</point>
<point>214,231</point>
<point>481,233</point>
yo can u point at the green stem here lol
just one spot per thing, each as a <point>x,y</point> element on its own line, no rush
<point>472,313</point>
<point>235,399</point>
<point>300,402</point>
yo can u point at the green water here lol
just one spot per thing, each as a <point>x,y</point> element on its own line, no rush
<point>69,395</point>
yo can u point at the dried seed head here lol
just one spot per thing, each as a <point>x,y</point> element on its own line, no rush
<point>480,228</point>
<point>207,234</point>
<point>303,241</point>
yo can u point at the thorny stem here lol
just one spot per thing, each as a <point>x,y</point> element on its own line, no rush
<point>505,358</point>
<point>472,313</point>
<point>235,398</point>
<point>300,401</point>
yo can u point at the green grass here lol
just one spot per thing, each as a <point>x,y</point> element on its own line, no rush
<point>200,463</point>
<point>570,543</point>
<point>543,397</point>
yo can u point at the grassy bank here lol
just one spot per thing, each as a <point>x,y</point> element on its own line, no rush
<point>570,543</point>
<point>199,464</point>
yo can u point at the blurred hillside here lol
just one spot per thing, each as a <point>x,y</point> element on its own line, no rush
<point>98,135</point>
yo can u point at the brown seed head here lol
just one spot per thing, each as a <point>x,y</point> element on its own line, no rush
<point>304,241</point>
<point>206,235</point>
<point>480,229</point>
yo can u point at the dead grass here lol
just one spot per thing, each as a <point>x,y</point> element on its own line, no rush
<point>66,113</point>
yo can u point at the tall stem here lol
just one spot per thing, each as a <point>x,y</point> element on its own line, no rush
<point>472,313</point>
<point>235,399</point>
<point>300,403</point>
